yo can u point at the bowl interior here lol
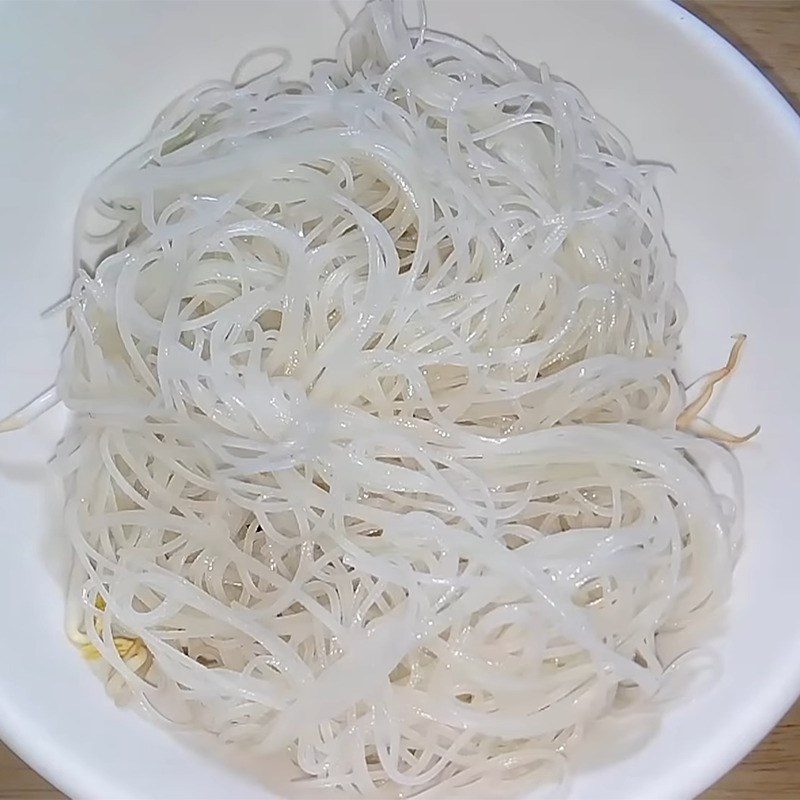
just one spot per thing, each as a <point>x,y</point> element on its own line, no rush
<point>80,83</point>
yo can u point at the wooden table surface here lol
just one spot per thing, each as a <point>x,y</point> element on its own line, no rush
<point>768,32</point>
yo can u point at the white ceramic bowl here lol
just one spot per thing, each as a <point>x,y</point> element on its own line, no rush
<point>79,83</point>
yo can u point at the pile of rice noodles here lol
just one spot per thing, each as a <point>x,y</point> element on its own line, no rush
<point>374,456</point>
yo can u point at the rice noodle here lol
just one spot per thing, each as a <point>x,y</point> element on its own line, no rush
<point>374,443</point>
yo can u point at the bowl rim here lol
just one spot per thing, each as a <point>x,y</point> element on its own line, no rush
<point>47,756</point>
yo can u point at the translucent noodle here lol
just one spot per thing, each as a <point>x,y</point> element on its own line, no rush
<point>374,454</point>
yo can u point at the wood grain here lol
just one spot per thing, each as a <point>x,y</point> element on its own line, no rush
<point>768,32</point>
